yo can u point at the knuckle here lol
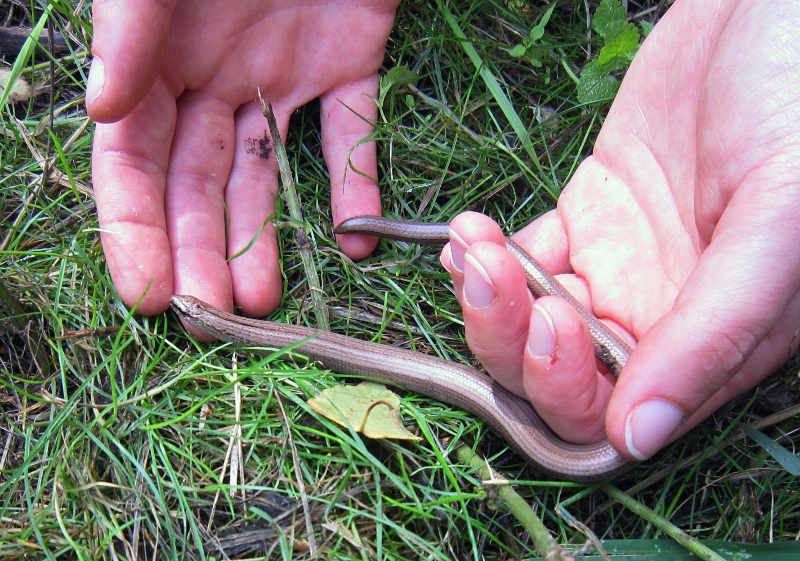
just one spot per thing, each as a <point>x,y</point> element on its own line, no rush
<point>724,352</point>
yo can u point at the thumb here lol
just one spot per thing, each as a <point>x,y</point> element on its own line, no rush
<point>128,36</point>
<point>733,323</point>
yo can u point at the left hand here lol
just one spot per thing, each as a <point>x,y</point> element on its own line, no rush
<point>182,167</point>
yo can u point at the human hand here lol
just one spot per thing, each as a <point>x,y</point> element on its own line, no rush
<point>180,148</point>
<point>680,231</point>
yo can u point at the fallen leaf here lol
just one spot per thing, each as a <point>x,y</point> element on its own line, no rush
<point>369,408</point>
<point>20,91</point>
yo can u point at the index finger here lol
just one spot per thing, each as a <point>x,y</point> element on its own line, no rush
<point>128,35</point>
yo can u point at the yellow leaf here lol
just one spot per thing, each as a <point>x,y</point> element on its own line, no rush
<point>20,91</point>
<point>368,408</point>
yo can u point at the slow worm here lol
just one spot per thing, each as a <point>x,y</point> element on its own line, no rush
<point>462,386</point>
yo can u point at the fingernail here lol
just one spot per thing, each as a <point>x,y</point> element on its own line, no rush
<point>541,333</point>
<point>478,287</point>
<point>458,248</point>
<point>649,426</point>
<point>94,83</point>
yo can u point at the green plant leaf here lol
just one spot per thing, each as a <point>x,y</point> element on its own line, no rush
<point>517,50</point>
<point>621,46</point>
<point>396,77</point>
<point>22,58</point>
<point>537,32</point>
<point>788,461</point>
<point>607,18</point>
<point>595,85</point>
<point>667,550</point>
<point>495,89</point>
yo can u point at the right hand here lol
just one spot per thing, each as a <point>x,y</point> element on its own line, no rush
<point>681,231</point>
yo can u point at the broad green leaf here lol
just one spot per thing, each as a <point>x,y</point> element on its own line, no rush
<point>368,408</point>
<point>396,77</point>
<point>517,50</point>
<point>667,550</point>
<point>607,17</point>
<point>595,85</point>
<point>621,46</point>
<point>613,29</point>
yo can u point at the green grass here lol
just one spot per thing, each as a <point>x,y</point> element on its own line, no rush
<point>121,436</point>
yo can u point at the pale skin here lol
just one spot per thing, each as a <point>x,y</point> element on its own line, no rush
<point>180,131</point>
<point>681,230</point>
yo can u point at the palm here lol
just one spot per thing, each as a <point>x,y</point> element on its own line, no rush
<point>294,53</point>
<point>185,178</point>
<point>666,168</point>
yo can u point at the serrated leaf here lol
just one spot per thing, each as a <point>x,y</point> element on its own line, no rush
<point>517,50</point>
<point>595,85</point>
<point>613,29</point>
<point>621,46</point>
<point>369,408</point>
<point>396,77</point>
<point>608,16</point>
<point>620,50</point>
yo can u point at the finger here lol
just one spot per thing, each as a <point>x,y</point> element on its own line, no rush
<point>128,37</point>
<point>129,162</point>
<point>496,306</point>
<point>250,198</point>
<point>348,114</point>
<point>561,379</point>
<point>552,345</point>
<point>743,284</point>
<point>465,229</point>
<point>199,167</point>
